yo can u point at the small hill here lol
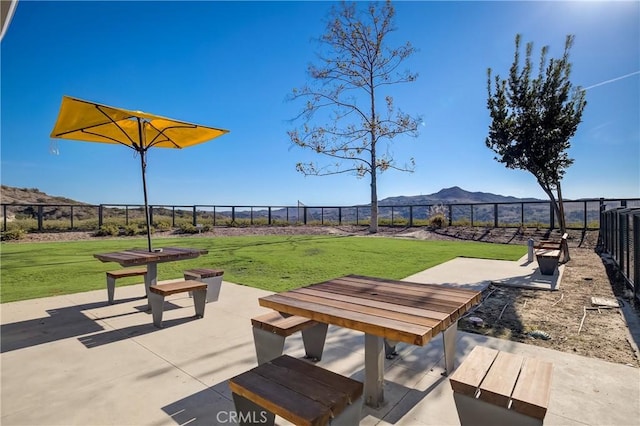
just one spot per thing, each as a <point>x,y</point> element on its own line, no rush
<point>31,196</point>
<point>453,195</point>
<point>11,195</point>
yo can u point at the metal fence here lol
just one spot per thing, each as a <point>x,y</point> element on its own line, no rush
<point>580,214</point>
<point>620,238</point>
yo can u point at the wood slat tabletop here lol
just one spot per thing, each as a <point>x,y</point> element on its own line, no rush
<point>397,310</point>
<point>141,256</point>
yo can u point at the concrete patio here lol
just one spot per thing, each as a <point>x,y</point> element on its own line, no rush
<point>74,360</point>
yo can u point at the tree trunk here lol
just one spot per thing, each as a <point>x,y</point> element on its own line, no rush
<point>561,218</point>
<point>552,198</point>
<point>373,224</point>
<point>559,211</point>
<point>563,223</point>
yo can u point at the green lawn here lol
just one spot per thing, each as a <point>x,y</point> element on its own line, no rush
<point>276,263</point>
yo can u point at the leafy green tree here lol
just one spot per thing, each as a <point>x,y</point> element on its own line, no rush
<point>534,118</point>
<point>349,90</point>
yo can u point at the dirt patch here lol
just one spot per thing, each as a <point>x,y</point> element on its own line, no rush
<point>564,320</point>
<point>557,320</point>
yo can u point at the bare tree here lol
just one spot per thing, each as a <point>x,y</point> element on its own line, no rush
<point>534,118</point>
<point>347,90</point>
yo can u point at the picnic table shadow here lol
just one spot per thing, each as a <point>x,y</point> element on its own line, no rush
<point>72,321</point>
<point>60,324</point>
<point>123,333</point>
<point>214,405</point>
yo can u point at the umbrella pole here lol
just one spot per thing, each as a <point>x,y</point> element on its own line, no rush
<point>146,203</point>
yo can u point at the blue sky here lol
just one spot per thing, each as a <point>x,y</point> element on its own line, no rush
<point>232,65</point>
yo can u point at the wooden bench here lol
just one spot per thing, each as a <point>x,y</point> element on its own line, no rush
<point>271,329</point>
<point>548,254</point>
<point>158,292</point>
<point>498,388</point>
<point>297,391</point>
<point>212,277</point>
<point>112,276</point>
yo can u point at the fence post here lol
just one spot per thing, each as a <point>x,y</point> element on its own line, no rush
<point>4,217</point>
<point>357,219</point>
<point>100,216</point>
<point>251,215</point>
<point>621,229</point>
<point>472,215</point>
<point>194,222</point>
<point>126,215</point>
<point>495,215</point>
<point>339,215</point>
<point>636,255</point>
<point>321,215</point>
<point>627,219</point>
<point>39,218</point>
<point>601,219</point>
<point>269,222</point>
<point>552,216</point>
<point>623,203</point>
<point>233,214</point>
<point>522,214</point>
<point>173,216</point>
<point>411,216</point>
<point>150,216</point>
<point>585,216</point>
<point>304,212</point>
<point>71,217</point>
<point>450,214</point>
<point>214,215</point>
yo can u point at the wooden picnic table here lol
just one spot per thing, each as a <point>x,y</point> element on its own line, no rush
<point>399,311</point>
<point>137,257</point>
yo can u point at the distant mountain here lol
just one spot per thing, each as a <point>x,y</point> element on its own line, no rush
<point>453,195</point>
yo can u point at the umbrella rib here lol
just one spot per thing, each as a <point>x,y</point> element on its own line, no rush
<point>161,132</point>
<point>121,129</point>
<point>83,130</point>
<point>134,146</point>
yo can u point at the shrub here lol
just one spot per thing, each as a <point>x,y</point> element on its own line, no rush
<point>131,230</point>
<point>162,225</point>
<point>437,216</point>
<point>13,234</point>
<point>438,220</point>
<point>107,230</point>
<point>188,228</point>
<point>56,225</point>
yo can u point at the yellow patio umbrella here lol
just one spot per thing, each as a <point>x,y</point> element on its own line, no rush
<point>87,121</point>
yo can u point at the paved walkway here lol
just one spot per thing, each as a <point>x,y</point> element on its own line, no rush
<point>74,360</point>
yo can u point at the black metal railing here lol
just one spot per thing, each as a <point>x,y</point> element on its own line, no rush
<point>580,214</point>
<point>620,238</point>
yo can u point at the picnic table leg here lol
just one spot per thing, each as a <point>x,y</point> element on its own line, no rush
<point>374,370</point>
<point>150,279</point>
<point>268,345</point>
<point>449,340</point>
<point>390,348</point>
<point>313,339</point>
<point>250,413</point>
